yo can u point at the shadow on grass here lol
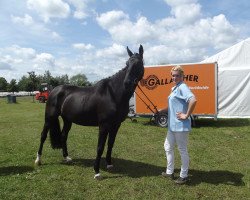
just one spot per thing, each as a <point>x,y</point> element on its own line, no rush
<point>221,123</point>
<point>12,170</point>
<point>211,123</point>
<point>123,167</point>
<point>215,177</point>
<point>136,169</point>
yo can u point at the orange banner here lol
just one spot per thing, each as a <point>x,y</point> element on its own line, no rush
<point>157,83</point>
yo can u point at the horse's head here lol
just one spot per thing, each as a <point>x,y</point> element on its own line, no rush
<point>135,69</point>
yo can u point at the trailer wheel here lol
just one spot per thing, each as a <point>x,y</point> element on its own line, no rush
<point>162,119</point>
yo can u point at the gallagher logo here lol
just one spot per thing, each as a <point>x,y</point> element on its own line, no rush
<point>152,81</point>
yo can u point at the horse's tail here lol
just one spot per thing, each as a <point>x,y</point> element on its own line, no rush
<point>55,134</point>
<point>52,113</point>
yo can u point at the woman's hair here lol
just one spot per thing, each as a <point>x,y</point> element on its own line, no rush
<point>179,69</point>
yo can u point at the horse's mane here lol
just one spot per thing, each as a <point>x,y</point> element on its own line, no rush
<point>114,76</point>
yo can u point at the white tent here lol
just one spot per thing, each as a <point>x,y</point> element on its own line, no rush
<point>233,80</point>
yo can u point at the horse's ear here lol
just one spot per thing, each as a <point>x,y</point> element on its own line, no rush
<point>141,50</point>
<point>129,52</point>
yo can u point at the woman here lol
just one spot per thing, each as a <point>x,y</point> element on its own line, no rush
<point>181,103</point>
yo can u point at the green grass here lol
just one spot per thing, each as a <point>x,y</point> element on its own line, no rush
<point>219,152</point>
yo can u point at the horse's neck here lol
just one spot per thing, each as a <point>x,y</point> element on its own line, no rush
<point>118,88</point>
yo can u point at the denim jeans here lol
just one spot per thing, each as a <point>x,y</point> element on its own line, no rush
<point>181,139</point>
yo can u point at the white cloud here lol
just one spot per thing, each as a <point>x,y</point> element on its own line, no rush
<point>43,61</point>
<point>5,66</point>
<point>112,18</point>
<point>20,60</point>
<point>223,32</point>
<point>14,57</point>
<point>35,28</point>
<point>49,8</point>
<point>80,14</point>
<point>82,46</point>
<point>96,64</point>
<point>162,54</point>
<point>187,13</point>
<point>10,60</point>
<point>123,30</point>
<point>27,20</point>
<point>183,37</point>
<point>174,3</point>
<point>184,11</point>
<point>21,52</point>
<point>82,9</point>
<point>115,50</point>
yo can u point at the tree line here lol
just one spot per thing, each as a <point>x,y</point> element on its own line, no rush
<point>32,82</point>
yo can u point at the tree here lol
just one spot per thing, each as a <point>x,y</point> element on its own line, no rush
<point>3,84</point>
<point>54,82</point>
<point>34,80</point>
<point>12,87</point>
<point>63,80</point>
<point>25,84</point>
<point>49,79</point>
<point>79,80</point>
<point>33,83</point>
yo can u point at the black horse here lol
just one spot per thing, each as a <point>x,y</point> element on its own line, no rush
<point>106,104</point>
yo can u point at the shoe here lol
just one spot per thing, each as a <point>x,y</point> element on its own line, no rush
<point>181,181</point>
<point>170,176</point>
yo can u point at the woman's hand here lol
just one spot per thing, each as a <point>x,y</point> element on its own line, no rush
<point>191,106</point>
<point>181,115</point>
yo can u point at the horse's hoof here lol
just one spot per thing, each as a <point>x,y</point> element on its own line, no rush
<point>110,166</point>
<point>98,176</point>
<point>67,159</point>
<point>38,162</point>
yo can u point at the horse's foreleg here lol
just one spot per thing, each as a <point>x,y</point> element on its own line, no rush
<point>66,128</point>
<point>44,134</point>
<point>100,147</point>
<point>111,141</point>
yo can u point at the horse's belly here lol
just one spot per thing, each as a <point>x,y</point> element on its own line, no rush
<point>86,122</point>
<point>84,119</point>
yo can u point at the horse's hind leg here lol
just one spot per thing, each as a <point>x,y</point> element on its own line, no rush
<point>44,134</point>
<point>66,128</point>
<point>111,141</point>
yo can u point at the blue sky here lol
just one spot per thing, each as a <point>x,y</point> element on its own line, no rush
<point>90,36</point>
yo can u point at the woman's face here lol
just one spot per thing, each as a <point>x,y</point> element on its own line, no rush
<point>176,76</point>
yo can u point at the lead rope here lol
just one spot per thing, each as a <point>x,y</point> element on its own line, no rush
<point>148,106</point>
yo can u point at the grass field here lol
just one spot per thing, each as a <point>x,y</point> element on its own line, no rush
<point>219,168</point>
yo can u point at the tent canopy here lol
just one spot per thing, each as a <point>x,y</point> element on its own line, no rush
<point>233,80</point>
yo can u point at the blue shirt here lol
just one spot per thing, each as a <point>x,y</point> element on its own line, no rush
<point>178,102</point>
